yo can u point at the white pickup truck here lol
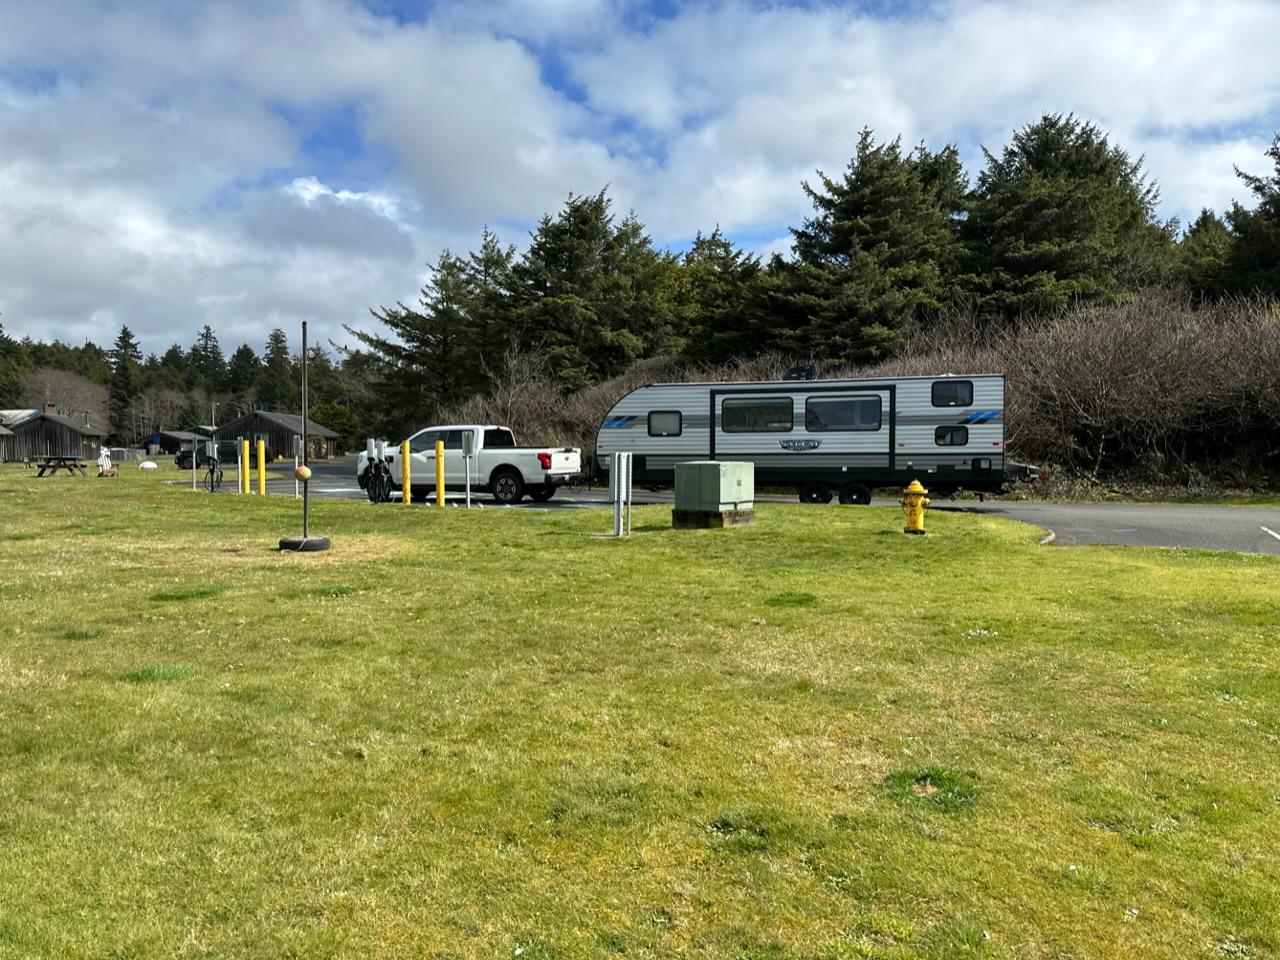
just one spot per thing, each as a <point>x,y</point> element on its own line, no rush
<point>497,465</point>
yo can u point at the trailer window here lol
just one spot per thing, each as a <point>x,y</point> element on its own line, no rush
<point>499,438</point>
<point>665,423</point>
<point>756,416</point>
<point>952,393</point>
<point>951,436</point>
<point>842,413</point>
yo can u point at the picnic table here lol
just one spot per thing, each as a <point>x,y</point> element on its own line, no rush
<point>51,465</point>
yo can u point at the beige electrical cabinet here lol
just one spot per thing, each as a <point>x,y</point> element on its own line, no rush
<point>714,493</point>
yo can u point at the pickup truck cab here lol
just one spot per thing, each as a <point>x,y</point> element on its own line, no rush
<point>497,465</point>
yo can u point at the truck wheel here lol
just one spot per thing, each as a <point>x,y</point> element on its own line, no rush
<point>814,492</point>
<point>855,493</point>
<point>542,494</point>
<point>507,487</point>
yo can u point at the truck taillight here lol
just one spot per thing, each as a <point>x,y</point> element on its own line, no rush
<point>545,460</point>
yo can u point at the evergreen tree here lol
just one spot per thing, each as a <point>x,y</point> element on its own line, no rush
<point>11,363</point>
<point>591,296</point>
<point>278,388</point>
<point>1203,255</point>
<point>1062,216</point>
<point>124,387</point>
<point>243,371</point>
<point>205,361</point>
<point>491,327</point>
<point>1254,265</point>
<point>722,299</point>
<point>879,252</point>
<point>428,355</point>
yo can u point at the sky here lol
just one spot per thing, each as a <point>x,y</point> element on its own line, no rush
<point>167,164</point>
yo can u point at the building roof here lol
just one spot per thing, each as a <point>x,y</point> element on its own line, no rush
<point>16,418</point>
<point>286,421</point>
<point>184,435</point>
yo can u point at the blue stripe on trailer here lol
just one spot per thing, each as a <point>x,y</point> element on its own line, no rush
<point>617,423</point>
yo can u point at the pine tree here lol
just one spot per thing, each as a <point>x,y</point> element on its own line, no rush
<point>243,372</point>
<point>1203,255</point>
<point>205,361</point>
<point>11,362</point>
<point>278,388</point>
<point>427,354</point>
<point>1060,217</point>
<point>491,327</point>
<point>124,387</point>
<point>1254,265</point>
<point>878,254</point>
<point>722,298</point>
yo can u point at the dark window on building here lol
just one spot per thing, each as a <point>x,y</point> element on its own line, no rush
<point>665,423</point>
<point>499,438</point>
<point>756,416</point>
<point>952,393</point>
<point>951,436</point>
<point>842,413</point>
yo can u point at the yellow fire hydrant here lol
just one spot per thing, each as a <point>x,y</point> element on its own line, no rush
<point>914,500</point>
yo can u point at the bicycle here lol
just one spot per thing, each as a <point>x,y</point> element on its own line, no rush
<point>213,476</point>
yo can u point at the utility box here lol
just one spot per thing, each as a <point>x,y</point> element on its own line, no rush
<point>714,493</point>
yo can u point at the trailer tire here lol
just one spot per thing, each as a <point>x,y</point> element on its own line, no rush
<point>855,493</point>
<point>542,494</point>
<point>815,492</point>
<point>507,487</point>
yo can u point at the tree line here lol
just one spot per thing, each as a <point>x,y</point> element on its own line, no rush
<point>896,245</point>
<point>1059,218</point>
<point>135,396</point>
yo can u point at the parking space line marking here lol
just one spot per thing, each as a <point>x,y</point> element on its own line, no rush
<point>1272,532</point>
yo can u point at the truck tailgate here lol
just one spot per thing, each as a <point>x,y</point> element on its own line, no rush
<point>566,461</point>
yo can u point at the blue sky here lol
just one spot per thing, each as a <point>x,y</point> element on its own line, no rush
<point>249,165</point>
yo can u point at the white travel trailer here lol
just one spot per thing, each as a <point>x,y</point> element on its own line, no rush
<point>821,436</point>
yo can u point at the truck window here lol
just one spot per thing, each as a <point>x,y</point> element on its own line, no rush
<point>665,423</point>
<point>952,393</point>
<point>842,414</point>
<point>453,439</point>
<point>756,416</point>
<point>425,442</point>
<point>498,438</point>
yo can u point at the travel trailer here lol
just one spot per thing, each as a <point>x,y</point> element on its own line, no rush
<point>821,437</point>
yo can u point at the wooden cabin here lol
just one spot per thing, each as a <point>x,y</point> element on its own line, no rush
<point>46,433</point>
<point>279,431</point>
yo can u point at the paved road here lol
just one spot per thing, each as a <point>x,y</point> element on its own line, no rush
<point>1249,529</point>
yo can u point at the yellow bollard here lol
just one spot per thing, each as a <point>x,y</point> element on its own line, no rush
<point>262,468</point>
<point>406,491</point>
<point>913,503</point>
<point>244,466</point>
<point>439,473</point>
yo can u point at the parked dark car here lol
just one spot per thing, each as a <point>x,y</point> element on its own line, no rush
<point>226,455</point>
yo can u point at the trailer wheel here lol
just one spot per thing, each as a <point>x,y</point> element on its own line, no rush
<point>814,492</point>
<point>507,487</point>
<point>542,494</point>
<point>855,493</point>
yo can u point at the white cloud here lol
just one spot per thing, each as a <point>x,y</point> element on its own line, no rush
<point>156,168</point>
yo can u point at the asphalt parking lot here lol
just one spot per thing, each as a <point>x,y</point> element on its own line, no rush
<point>1191,526</point>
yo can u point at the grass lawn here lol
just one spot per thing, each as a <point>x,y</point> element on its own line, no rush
<point>488,734</point>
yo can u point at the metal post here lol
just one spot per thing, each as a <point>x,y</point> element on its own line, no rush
<point>306,484</point>
<point>244,456</point>
<point>406,479</point>
<point>620,488</point>
<point>262,467</point>
<point>439,473</point>
<point>468,450</point>
<point>193,463</point>
<point>296,441</point>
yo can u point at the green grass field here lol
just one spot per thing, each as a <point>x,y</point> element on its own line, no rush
<point>489,734</point>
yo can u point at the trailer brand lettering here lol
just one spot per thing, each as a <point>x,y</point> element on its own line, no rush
<point>799,444</point>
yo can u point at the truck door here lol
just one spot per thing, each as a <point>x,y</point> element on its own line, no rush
<point>422,451</point>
